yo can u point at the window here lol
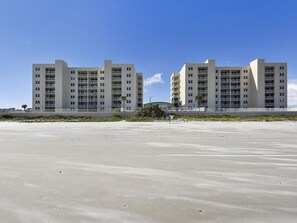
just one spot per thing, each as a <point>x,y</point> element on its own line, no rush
<point>101,71</point>
<point>128,88</point>
<point>190,68</point>
<point>190,101</point>
<point>128,95</point>
<point>217,77</point>
<point>128,82</point>
<point>245,89</point>
<point>190,81</point>
<point>190,94</point>
<point>217,71</point>
<point>128,75</point>
<point>282,81</point>
<point>37,69</point>
<point>190,75</point>
<point>72,72</point>
<point>37,95</point>
<point>128,101</point>
<point>72,90</point>
<point>245,83</point>
<point>101,96</point>
<point>73,103</point>
<point>101,78</point>
<point>37,89</point>
<point>190,88</point>
<point>216,83</point>
<point>37,102</point>
<point>281,94</point>
<point>37,82</point>
<point>37,75</point>
<point>101,90</point>
<point>101,102</point>
<point>72,78</point>
<point>72,96</point>
<point>72,84</point>
<point>281,68</point>
<point>282,87</point>
<point>102,84</point>
<point>128,68</point>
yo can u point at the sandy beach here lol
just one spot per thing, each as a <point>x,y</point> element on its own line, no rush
<point>148,172</point>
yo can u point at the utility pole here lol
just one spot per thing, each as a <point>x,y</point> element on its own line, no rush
<point>150,98</point>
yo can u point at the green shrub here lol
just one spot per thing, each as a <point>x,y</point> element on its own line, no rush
<point>152,111</point>
<point>6,116</point>
<point>116,116</point>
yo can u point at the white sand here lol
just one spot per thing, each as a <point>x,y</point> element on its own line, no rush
<point>148,172</point>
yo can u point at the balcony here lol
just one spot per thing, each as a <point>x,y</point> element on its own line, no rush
<point>269,98</point>
<point>269,78</point>
<point>116,78</point>
<point>269,91</point>
<point>225,86</point>
<point>235,99</point>
<point>269,104</point>
<point>49,92</point>
<point>50,99</point>
<point>235,86</point>
<point>50,78</point>
<point>116,85</point>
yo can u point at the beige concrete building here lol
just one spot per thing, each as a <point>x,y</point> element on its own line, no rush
<point>260,85</point>
<point>57,87</point>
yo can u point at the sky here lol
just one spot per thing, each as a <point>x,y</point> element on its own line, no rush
<point>158,36</point>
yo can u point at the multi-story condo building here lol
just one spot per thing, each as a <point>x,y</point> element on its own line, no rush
<point>260,85</point>
<point>57,87</point>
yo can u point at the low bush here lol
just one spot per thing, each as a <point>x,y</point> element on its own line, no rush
<point>116,116</point>
<point>152,111</point>
<point>6,116</point>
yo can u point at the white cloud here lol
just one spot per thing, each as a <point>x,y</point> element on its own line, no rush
<point>155,79</point>
<point>292,93</point>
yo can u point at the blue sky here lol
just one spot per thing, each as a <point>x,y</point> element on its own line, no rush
<point>158,36</point>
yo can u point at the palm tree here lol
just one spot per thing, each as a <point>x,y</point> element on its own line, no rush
<point>198,99</point>
<point>123,99</point>
<point>24,107</point>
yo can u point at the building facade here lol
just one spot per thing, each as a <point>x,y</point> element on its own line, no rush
<point>260,85</point>
<point>57,87</point>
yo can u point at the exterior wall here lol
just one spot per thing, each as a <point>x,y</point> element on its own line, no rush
<point>259,85</point>
<point>57,86</point>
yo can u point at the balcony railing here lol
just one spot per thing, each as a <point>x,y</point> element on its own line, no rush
<point>269,104</point>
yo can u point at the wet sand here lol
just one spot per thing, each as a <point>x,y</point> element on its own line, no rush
<point>148,172</point>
